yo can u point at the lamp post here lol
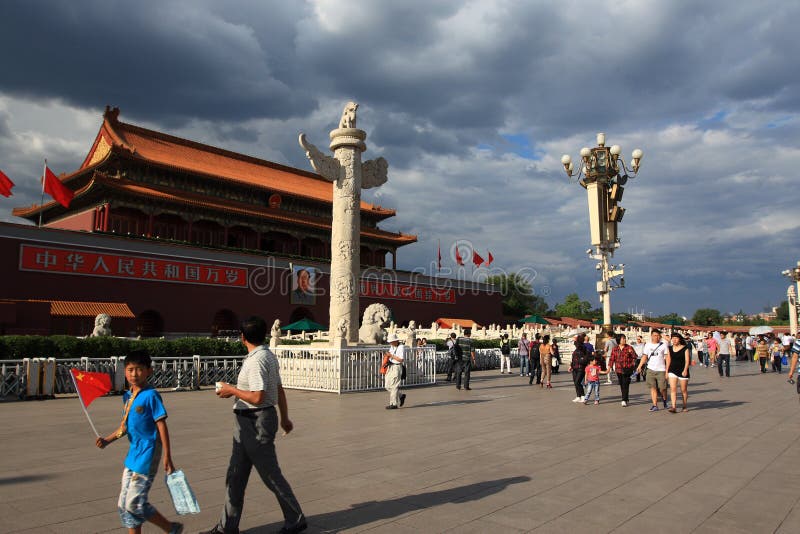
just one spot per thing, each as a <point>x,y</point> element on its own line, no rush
<point>604,174</point>
<point>794,275</point>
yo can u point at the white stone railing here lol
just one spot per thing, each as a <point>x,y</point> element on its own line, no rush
<point>309,368</point>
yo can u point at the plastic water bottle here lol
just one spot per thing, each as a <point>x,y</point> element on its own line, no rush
<point>182,495</point>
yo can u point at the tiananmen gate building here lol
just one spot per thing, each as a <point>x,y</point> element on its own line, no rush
<point>176,237</point>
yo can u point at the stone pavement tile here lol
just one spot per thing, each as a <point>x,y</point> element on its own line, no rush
<point>531,512</point>
<point>790,523</point>
<point>761,510</point>
<point>605,512</point>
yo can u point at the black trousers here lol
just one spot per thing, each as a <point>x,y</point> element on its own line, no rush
<point>577,379</point>
<point>254,446</point>
<point>776,363</point>
<point>463,366</point>
<point>450,368</point>
<point>762,363</point>
<point>624,383</point>
<point>726,359</point>
<point>536,370</point>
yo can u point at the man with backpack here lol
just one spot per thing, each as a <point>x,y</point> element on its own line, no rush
<point>465,355</point>
<point>505,354</point>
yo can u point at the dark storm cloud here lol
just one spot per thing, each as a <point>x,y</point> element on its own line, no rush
<point>165,61</point>
<point>472,103</point>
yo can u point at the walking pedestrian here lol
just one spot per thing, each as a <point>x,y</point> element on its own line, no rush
<point>762,353</point>
<point>608,346</point>
<point>258,389</point>
<point>713,350</point>
<point>505,354</point>
<point>724,358</point>
<point>776,352</point>
<point>451,356</point>
<point>464,365</point>
<point>523,348</point>
<point>592,374</point>
<point>394,374</point>
<point>545,355</point>
<point>580,359</point>
<point>623,362</point>
<point>144,422</point>
<point>678,371</point>
<point>654,356</point>
<point>536,360</point>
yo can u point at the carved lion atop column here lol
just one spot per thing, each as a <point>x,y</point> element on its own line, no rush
<point>102,326</point>
<point>371,331</point>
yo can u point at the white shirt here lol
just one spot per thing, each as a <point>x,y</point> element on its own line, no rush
<point>787,339</point>
<point>748,342</point>
<point>399,353</point>
<point>656,356</point>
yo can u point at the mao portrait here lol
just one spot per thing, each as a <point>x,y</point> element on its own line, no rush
<point>303,279</point>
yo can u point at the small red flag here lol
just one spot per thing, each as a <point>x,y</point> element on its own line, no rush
<point>490,260</point>
<point>459,259</point>
<point>5,185</point>
<point>90,385</point>
<point>53,187</point>
<point>476,259</point>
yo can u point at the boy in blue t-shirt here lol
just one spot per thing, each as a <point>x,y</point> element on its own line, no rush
<point>144,420</point>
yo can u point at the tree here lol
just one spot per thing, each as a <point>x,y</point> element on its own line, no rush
<point>706,317</point>
<point>518,296</point>
<point>671,319</point>
<point>574,307</point>
<point>783,311</point>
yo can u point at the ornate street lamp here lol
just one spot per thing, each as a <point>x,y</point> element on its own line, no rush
<point>603,174</point>
<point>792,296</point>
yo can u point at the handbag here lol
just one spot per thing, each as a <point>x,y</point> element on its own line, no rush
<point>385,363</point>
<point>403,371</point>
<point>553,361</point>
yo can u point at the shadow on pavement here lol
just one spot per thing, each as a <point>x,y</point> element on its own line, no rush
<point>446,403</point>
<point>711,404</point>
<point>23,479</point>
<point>370,511</point>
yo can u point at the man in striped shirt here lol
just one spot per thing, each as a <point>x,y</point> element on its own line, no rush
<point>258,390</point>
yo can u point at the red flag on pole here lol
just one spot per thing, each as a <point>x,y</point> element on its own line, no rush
<point>53,187</point>
<point>5,185</point>
<point>490,260</point>
<point>476,259</point>
<point>459,259</point>
<point>90,385</point>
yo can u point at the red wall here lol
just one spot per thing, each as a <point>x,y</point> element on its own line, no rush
<point>191,308</point>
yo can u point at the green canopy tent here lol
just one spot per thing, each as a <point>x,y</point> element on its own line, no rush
<point>613,321</point>
<point>304,325</point>
<point>533,319</point>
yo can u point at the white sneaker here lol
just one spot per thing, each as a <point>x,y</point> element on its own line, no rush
<point>577,399</point>
<point>624,404</point>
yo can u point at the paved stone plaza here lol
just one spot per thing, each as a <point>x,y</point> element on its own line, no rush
<point>504,457</point>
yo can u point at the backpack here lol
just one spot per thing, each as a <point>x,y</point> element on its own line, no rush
<point>455,351</point>
<point>505,348</point>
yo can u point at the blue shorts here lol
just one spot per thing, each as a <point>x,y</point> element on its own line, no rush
<point>133,506</point>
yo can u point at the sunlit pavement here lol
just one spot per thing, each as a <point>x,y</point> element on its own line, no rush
<point>504,457</point>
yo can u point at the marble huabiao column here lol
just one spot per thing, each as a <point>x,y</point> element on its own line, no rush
<point>348,175</point>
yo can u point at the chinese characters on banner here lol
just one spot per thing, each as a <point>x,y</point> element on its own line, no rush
<point>69,261</point>
<point>393,290</point>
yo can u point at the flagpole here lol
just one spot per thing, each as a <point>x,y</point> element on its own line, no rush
<point>41,203</point>
<point>78,391</point>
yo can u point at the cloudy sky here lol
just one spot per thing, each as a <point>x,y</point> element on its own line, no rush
<point>472,103</point>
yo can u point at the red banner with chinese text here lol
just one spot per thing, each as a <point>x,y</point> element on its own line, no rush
<point>393,290</point>
<point>112,265</point>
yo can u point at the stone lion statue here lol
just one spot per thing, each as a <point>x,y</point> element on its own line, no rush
<point>371,331</point>
<point>348,119</point>
<point>102,326</point>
